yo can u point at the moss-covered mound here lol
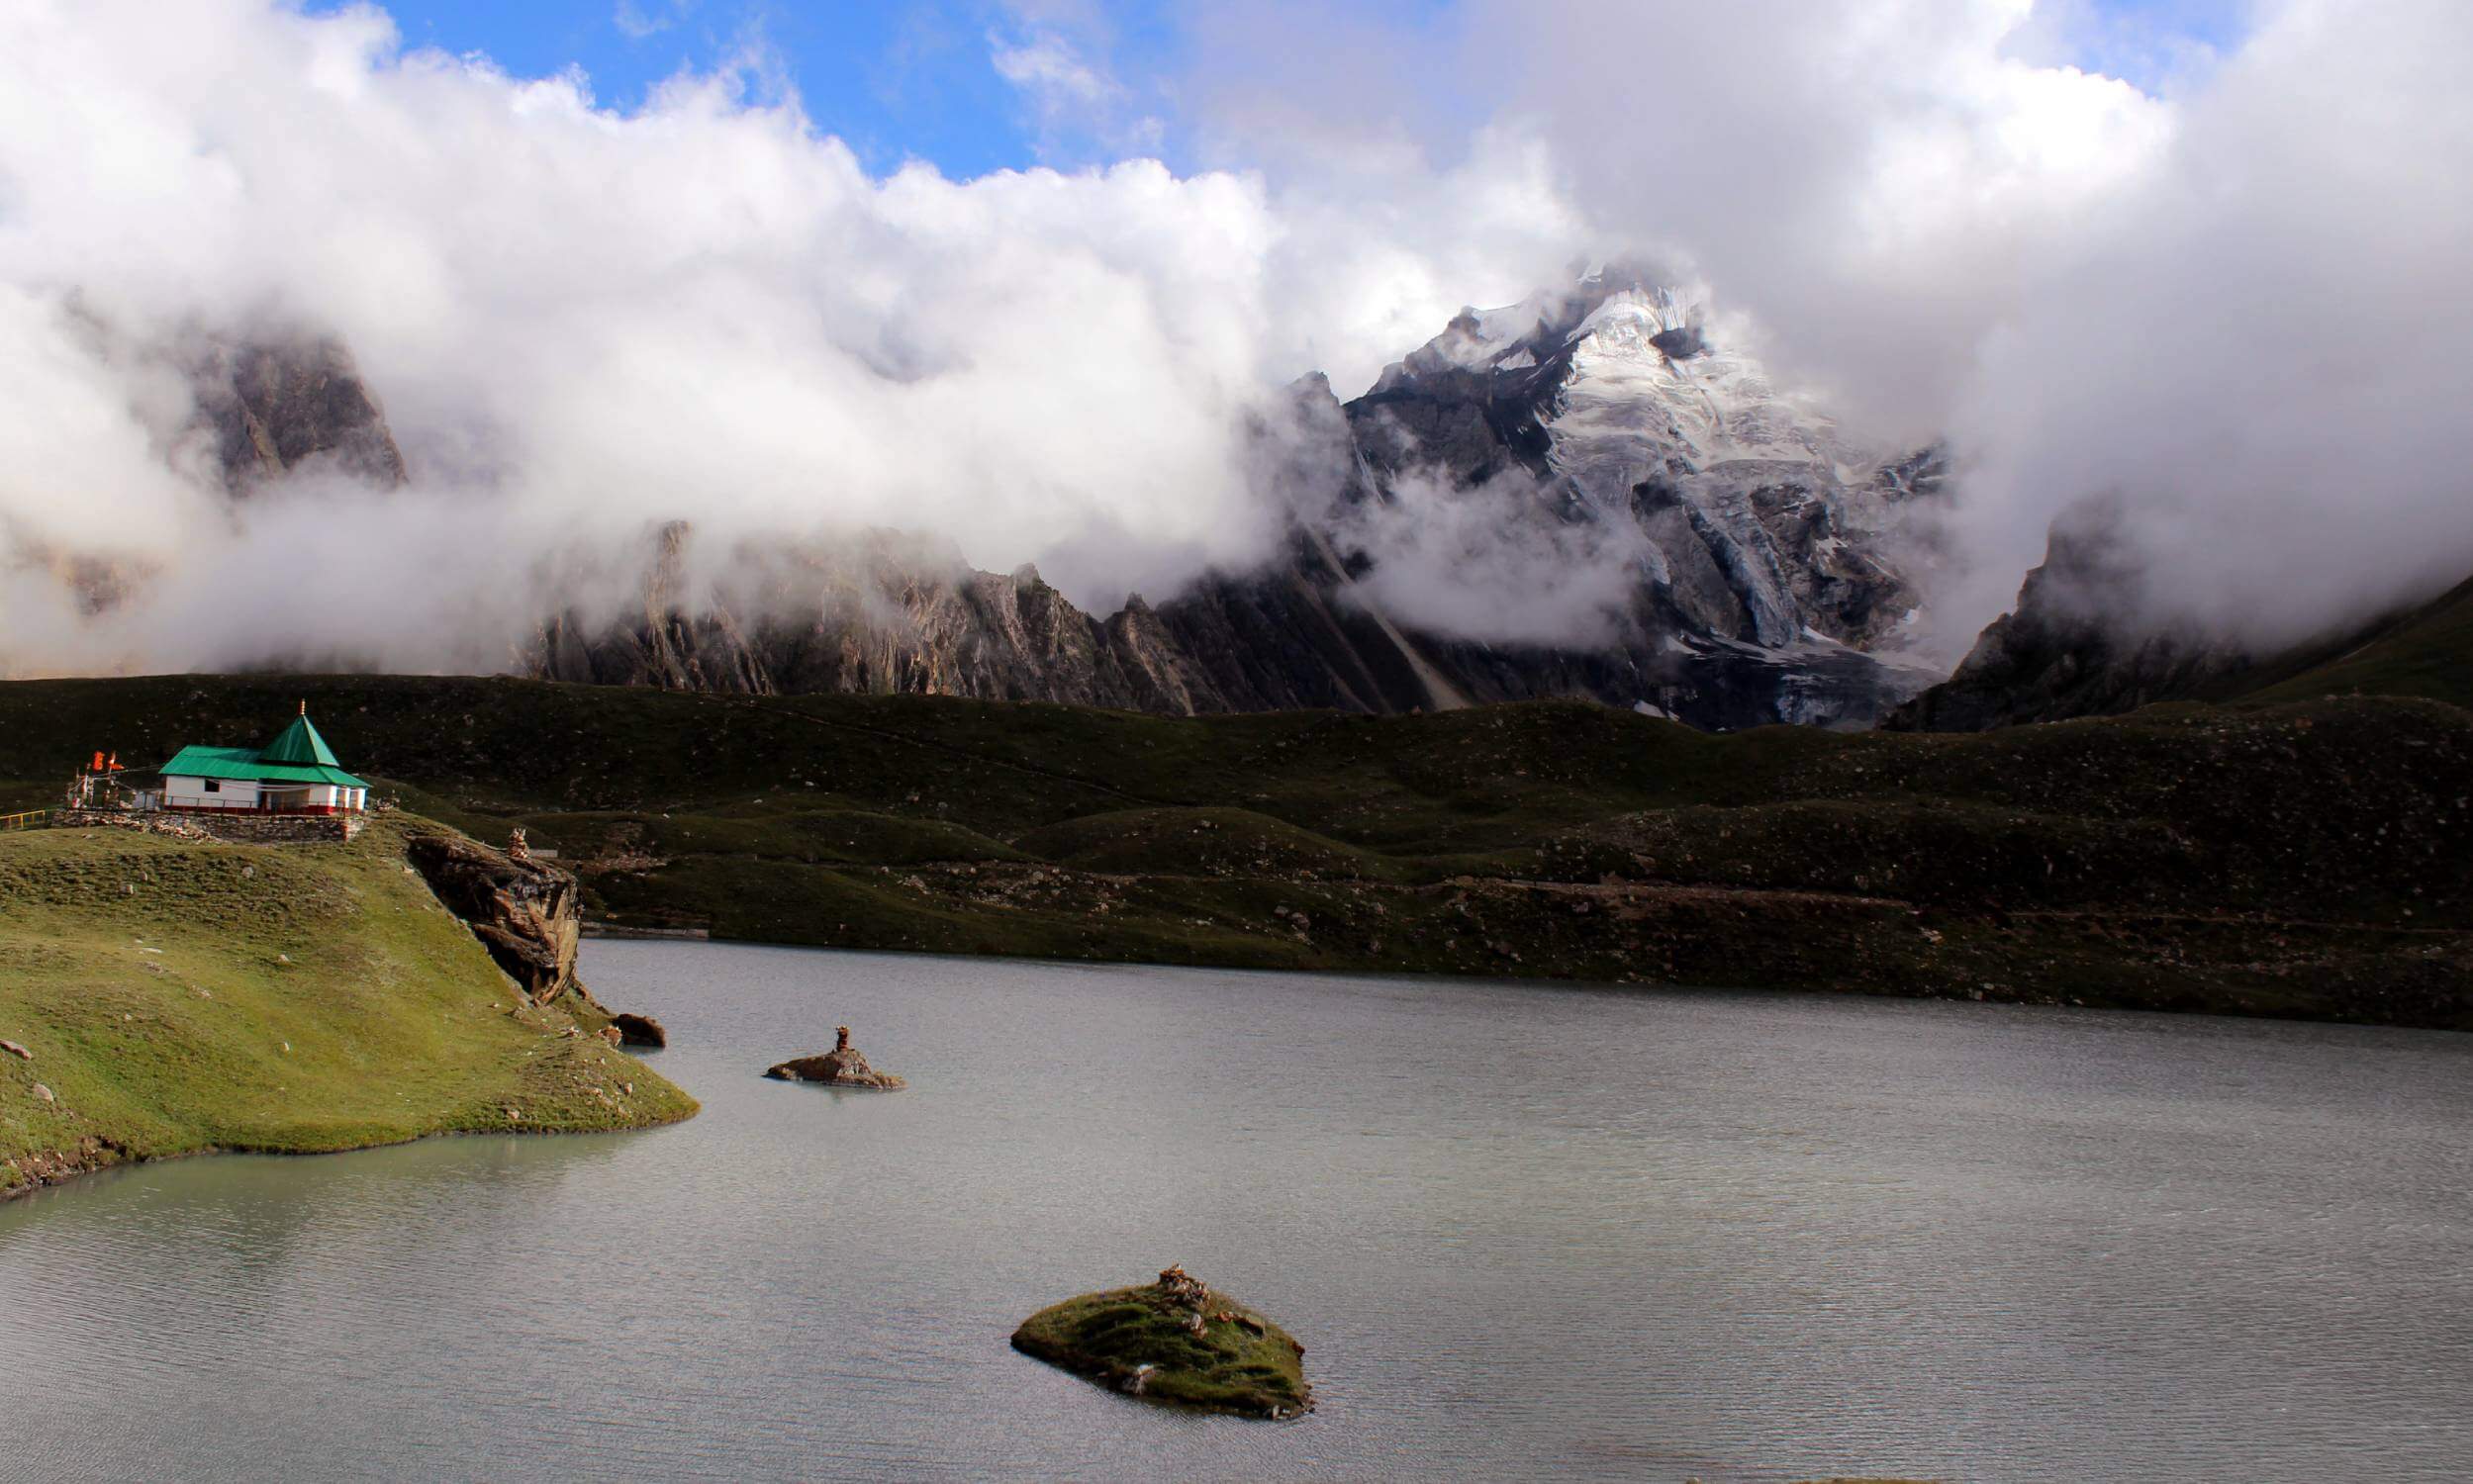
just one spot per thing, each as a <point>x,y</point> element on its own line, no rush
<point>1176,1342</point>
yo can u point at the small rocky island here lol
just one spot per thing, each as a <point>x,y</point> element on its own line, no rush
<point>842,1067</point>
<point>1176,1342</point>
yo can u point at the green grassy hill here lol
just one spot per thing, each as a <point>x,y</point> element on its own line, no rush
<point>2308,859</point>
<point>180,997</point>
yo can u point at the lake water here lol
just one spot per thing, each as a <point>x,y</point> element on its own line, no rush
<point>1522,1230</point>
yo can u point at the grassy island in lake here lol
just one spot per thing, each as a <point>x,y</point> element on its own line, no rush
<point>1175,1341</point>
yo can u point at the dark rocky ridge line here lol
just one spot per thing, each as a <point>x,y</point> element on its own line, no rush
<point>1770,596</point>
<point>1290,638</point>
<point>1760,583</point>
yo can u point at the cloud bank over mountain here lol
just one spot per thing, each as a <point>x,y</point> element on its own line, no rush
<point>2234,303</point>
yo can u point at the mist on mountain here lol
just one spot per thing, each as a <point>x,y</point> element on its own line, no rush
<point>2229,302</point>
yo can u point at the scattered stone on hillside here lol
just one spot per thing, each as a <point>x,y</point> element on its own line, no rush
<point>842,1067</point>
<point>42,1094</point>
<point>15,1049</point>
<point>640,1030</point>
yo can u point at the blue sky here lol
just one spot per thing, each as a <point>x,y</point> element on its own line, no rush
<point>893,79</point>
<point>919,78</point>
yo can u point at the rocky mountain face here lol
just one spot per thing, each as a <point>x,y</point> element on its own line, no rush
<point>886,614</point>
<point>1702,546</point>
<point>277,406</point>
<point>1757,536</point>
<point>1748,545</point>
<point>269,408</point>
<point>2066,651</point>
<point>1756,522</point>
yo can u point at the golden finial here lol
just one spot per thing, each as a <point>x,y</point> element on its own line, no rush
<point>304,707</point>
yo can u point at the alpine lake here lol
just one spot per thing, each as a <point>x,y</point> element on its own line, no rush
<point>1523,1231</point>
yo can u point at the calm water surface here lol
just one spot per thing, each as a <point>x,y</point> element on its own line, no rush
<point>1522,1230</point>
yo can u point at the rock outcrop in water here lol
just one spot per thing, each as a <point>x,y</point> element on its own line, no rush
<point>842,1067</point>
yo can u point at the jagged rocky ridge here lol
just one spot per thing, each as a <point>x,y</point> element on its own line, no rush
<point>278,406</point>
<point>1739,548</point>
<point>268,408</point>
<point>1749,541</point>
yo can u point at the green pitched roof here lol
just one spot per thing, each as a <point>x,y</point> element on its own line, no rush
<point>242,763</point>
<point>301,746</point>
<point>299,755</point>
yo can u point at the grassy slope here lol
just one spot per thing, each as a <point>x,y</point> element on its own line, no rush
<point>1228,1367</point>
<point>180,997</point>
<point>2308,860</point>
<point>2428,652</point>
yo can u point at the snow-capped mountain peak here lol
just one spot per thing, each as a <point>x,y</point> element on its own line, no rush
<point>1752,519</point>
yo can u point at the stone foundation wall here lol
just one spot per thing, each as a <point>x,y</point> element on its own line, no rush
<point>240,829</point>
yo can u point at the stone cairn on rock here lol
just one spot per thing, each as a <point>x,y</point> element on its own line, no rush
<point>1184,1291</point>
<point>842,1067</point>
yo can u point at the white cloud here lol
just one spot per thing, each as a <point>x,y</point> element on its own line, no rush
<point>2238,303</point>
<point>2261,341</point>
<point>582,322</point>
<point>637,22</point>
<point>1047,67</point>
<point>1073,98</point>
